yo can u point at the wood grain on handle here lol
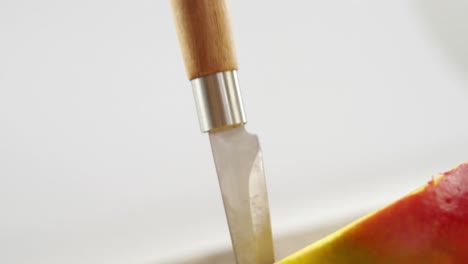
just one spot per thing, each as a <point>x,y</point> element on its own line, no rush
<point>205,36</point>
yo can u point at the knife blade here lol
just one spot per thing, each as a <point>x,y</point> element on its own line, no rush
<point>239,165</point>
<point>205,37</point>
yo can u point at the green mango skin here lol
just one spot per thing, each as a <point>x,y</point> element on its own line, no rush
<point>428,226</point>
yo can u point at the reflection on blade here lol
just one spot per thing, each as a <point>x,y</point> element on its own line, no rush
<point>240,173</point>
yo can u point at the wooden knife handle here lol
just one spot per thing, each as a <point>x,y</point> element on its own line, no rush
<point>205,36</point>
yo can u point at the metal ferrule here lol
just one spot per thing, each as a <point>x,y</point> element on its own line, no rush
<point>218,100</point>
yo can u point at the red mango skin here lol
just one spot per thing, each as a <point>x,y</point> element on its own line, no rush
<point>428,226</point>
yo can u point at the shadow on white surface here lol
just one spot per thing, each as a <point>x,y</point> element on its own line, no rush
<point>447,23</point>
<point>285,244</point>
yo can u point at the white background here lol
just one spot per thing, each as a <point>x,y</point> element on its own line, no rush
<point>101,158</point>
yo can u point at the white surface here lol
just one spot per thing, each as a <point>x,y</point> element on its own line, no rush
<point>101,161</point>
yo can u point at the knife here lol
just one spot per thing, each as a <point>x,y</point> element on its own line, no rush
<point>204,32</point>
